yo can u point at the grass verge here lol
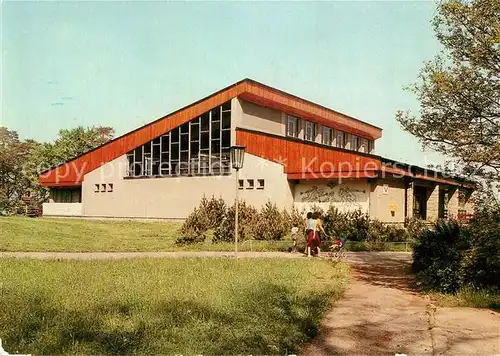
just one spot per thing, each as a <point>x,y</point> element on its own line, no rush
<point>188,306</point>
<point>468,297</point>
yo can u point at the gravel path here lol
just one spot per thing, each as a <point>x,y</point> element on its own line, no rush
<point>382,314</point>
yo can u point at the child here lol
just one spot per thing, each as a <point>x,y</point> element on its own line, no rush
<point>295,232</point>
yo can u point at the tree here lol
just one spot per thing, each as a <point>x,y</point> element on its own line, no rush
<point>15,181</point>
<point>459,91</point>
<point>21,162</point>
<point>70,144</point>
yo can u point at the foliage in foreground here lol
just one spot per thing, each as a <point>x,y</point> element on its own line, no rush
<point>271,224</point>
<point>451,256</point>
<point>189,306</point>
<point>459,91</point>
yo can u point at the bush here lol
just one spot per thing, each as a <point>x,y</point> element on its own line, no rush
<point>247,215</point>
<point>271,224</point>
<point>208,215</point>
<point>480,265</point>
<point>452,256</point>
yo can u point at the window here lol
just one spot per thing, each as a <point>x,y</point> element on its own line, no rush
<point>240,184</point>
<point>371,146</point>
<point>363,145</point>
<point>250,183</point>
<point>340,139</point>
<point>354,142</point>
<point>198,147</point>
<point>292,126</point>
<point>309,131</point>
<point>110,187</point>
<point>326,136</point>
<point>66,195</point>
<point>260,183</point>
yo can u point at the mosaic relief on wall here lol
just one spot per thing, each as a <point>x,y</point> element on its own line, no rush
<point>332,193</point>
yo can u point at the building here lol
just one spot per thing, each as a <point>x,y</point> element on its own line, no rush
<point>298,153</point>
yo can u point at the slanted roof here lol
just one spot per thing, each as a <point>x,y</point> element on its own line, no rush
<point>71,173</point>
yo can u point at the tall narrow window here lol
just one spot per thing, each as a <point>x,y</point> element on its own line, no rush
<point>309,131</point>
<point>326,136</point>
<point>354,143</point>
<point>340,139</point>
<point>292,126</point>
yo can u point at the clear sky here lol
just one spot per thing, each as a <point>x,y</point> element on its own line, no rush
<point>124,64</point>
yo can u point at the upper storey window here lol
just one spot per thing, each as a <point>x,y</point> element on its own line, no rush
<point>340,143</point>
<point>327,136</point>
<point>292,126</point>
<point>355,143</point>
<point>309,131</point>
<point>198,147</point>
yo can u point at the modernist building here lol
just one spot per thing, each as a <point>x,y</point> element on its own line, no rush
<point>298,153</point>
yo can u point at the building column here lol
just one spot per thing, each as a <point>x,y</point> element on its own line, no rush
<point>409,200</point>
<point>433,203</point>
<point>452,202</point>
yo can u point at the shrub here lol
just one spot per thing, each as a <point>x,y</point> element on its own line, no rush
<point>451,257</point>
<point>480,265</point>
<point>271,224</point>
<point>247,215</point>
<point>208,215</point>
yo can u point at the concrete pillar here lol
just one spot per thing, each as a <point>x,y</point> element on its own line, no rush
<point>433,203</point>
<point>452,202</point>
<point>409,200</point>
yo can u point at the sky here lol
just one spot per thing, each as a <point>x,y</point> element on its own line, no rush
<point>124,64</point>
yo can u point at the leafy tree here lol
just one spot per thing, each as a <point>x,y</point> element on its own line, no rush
<point>459,91</point>
<point>22,161</point>
<point>15,181</point>
<point>70,144</point>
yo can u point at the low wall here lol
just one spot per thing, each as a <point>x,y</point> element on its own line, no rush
<point>62,209</point>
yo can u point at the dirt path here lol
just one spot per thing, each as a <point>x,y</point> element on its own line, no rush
<point>381,313</point>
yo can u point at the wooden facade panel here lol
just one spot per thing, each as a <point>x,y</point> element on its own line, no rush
<point>300,157</point>
<point>291,104</point>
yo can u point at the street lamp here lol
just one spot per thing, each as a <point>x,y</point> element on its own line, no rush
<point>237,156</point>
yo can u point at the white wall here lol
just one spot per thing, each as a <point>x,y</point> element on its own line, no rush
<point>347,196</point>
<point>175,197</point>
<point>62,209</point>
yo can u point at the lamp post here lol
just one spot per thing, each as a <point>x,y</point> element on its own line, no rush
<point>237,156</point>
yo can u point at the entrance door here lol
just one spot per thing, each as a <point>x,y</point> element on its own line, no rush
<point>420,202</point>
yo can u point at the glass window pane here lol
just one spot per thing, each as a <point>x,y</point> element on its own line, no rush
<point>185,128</point>
<point>216,146</point>
<point>205,138</point>
<point>215,129</point>
<point>195,148</point>
<point>138,154</point>
<point>216,114</point>
<point>195,132</point>
<point>226,105</point>
<point>164,143</point>
<point>147,147</point>
<point>156,153</point>
<point>184,142</point>
<point>226,120</point>
<point>175,151</point>
<point>226,139</point>
<point>205,122</point>
<point>175,135</point>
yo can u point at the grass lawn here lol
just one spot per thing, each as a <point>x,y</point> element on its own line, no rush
<point>188,306</point>
<point>83,235</point>
<point>87,235</point>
